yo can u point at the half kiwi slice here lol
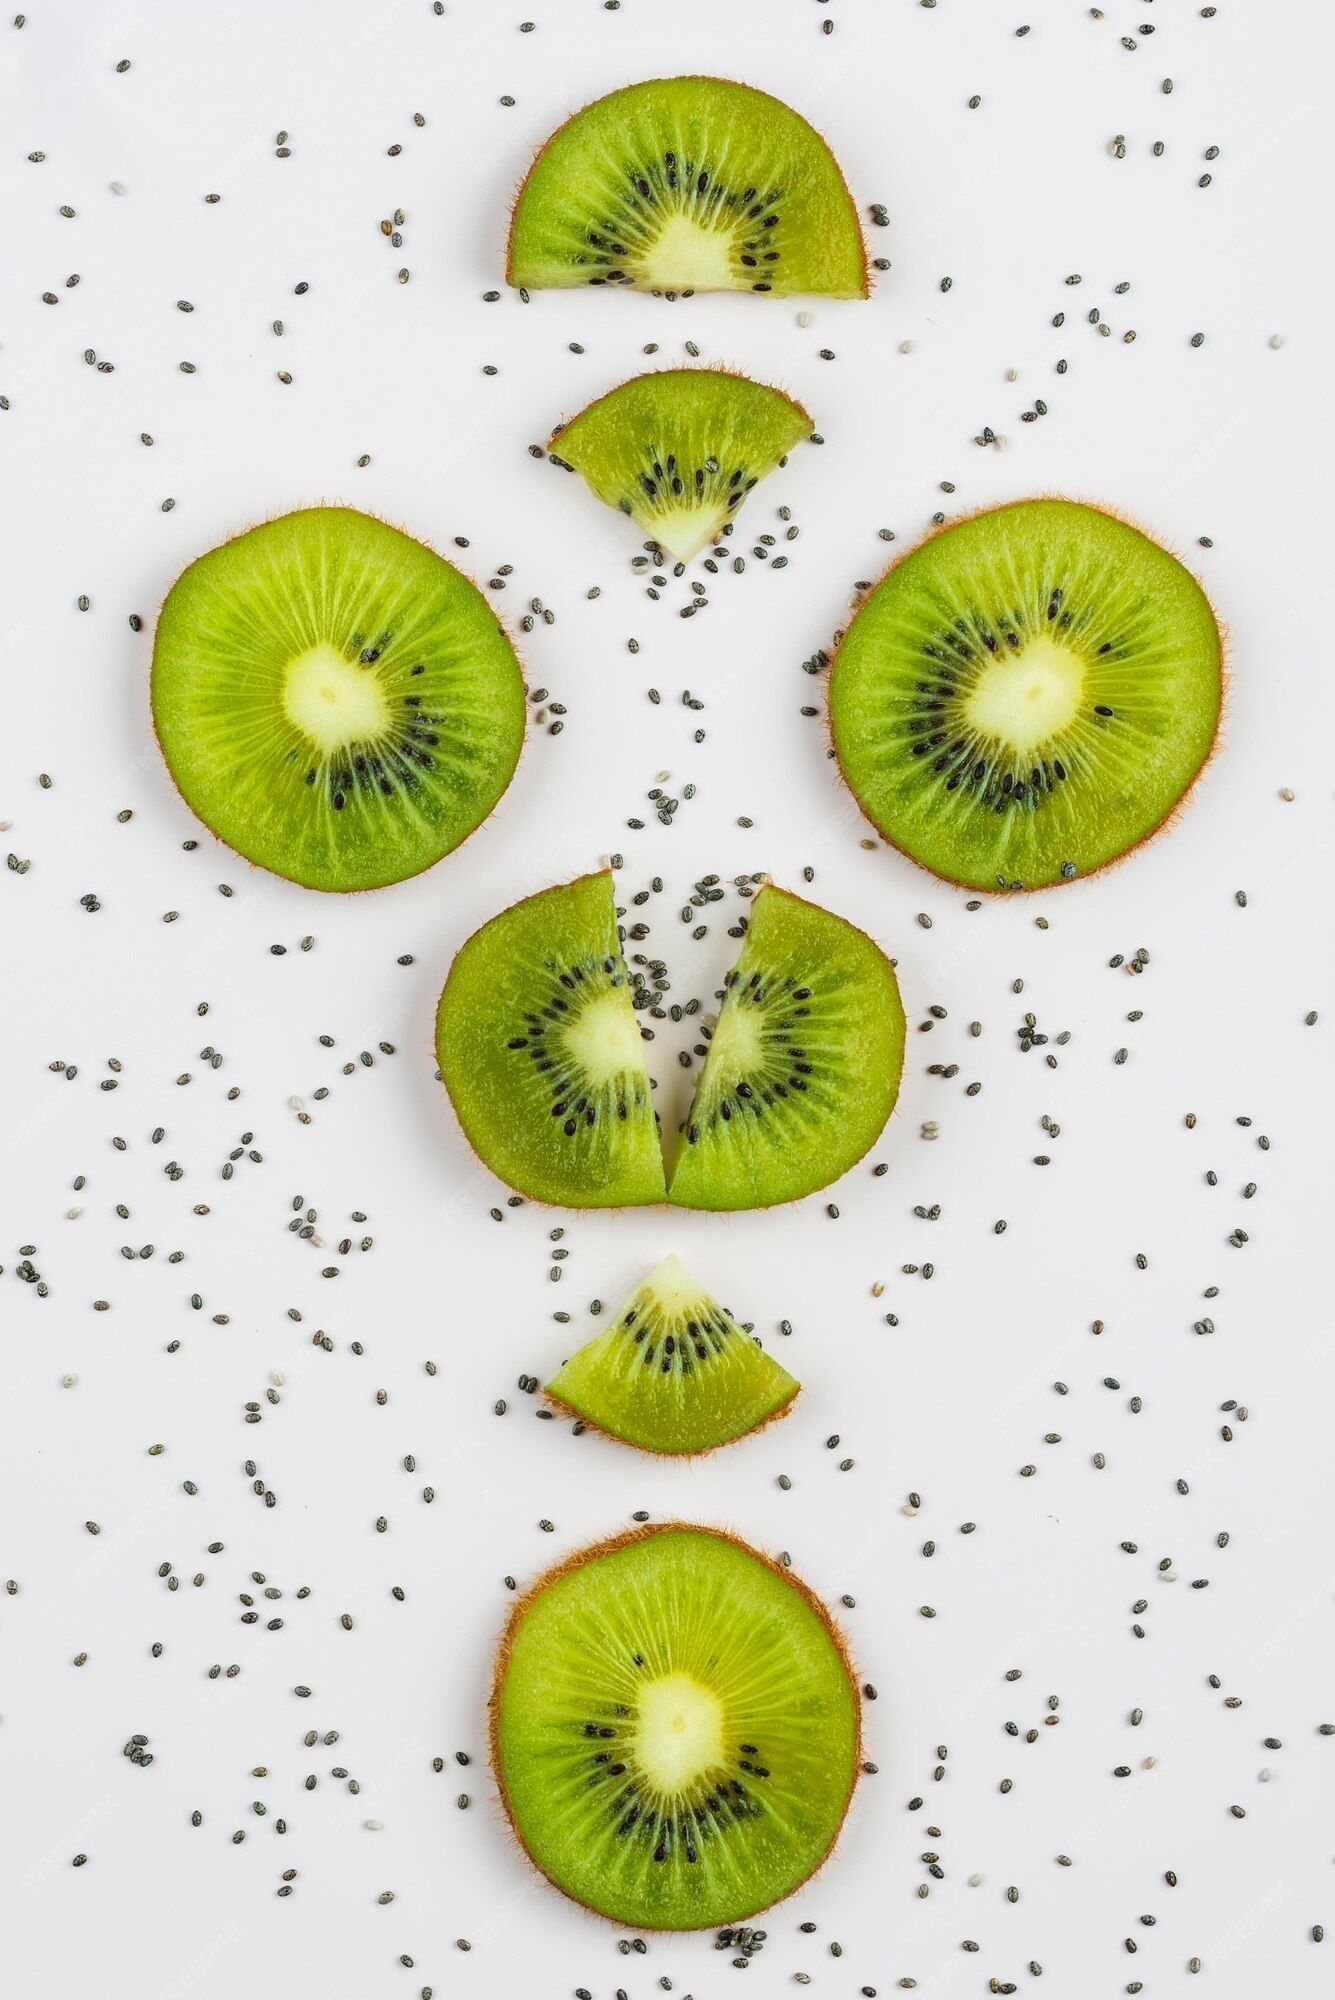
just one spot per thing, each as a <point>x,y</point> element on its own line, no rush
<point>673,1373</point>
<point>680,450</point>
<point>803,1066</point>
<point>1028,695</point>
<point>688,184</point>
<point>675,1728</point>
<point>542,1055</point>
<point>334,700</point>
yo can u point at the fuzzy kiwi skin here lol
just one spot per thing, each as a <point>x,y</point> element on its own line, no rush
<point>609,1546</point>
<point>863,287</point>
<point>1169,818</point>
<point>293,872</point>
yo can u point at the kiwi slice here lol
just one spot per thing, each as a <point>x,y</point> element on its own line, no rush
<point>680,450</point>
<point>334,700</point>
<point>1028,695</point>
<point>688,184</point>
<point>803,1066</point>
<point>673,1373</point>
<point>544,1062</point>
<point>675,1728</point>
<point>542,1055</point>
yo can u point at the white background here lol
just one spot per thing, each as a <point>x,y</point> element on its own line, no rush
<point>1229,440</point>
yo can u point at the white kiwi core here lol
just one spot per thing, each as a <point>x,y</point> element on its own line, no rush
<point>678,1732</point>
<point>605,1039</point>
<point>736,1049</point>
<point>684,530</point>
<point>333,701</point>
<point>688,256</point>
<point>1027,698</point>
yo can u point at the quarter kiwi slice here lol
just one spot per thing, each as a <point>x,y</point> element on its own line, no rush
<point>674,1728</point>
<point>673,1373</point>
<point>334,700</point>
<point>688,184</point>
<point>1028,695</point>
<point>542,1056</point>
<point>803,1066</point>
<point>680,450</point>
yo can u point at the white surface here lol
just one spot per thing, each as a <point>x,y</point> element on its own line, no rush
<point>1227,440</point>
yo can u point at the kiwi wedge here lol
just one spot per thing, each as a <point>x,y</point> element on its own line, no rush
<point>544,1062</point>
<point>680,450</point>
<point>542,1056</point>
<point>674,1728</point>
<point>673,1372</point>
<point>334,700</point>
<point>688,184</point>
<point>803,1066</point>
<point>1028,695</point>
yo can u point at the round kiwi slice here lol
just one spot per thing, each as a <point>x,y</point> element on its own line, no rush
<point>1027,695</point>
<point>688,184</point>
<point>673,1372</point>
<point>680,450</point>
<point>334,700</point>
<point>675,1728</point>
<point>542,1055</point>
<point>803,1066</point>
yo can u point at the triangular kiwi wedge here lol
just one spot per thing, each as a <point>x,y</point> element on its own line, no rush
<point>335,700</point>
<point>688,184</point>
<point>680,450</point>
<point>542,1056</point>
<point>804,1062</point>
<point>673,1372</point>
<point>1028,695</point>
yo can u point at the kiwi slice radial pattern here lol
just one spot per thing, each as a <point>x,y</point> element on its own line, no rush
<point>688,184</point>
<point>674,1729</point>
<point>680,450</point>
<point>1028,695</point>
<point>542,1056</point>
<point>334,700</point>
<point>673,1372</point>
<point>803,1066</point>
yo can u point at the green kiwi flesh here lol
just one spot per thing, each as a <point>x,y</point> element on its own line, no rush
<point>675,1729</point>
<point>1028,695</point>
<point>334,700</point>
<point>542,1056</point>
<point>680,450</point>
<point>688,184</point>
<point>803,1066</point>
<point>673,1372</point>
